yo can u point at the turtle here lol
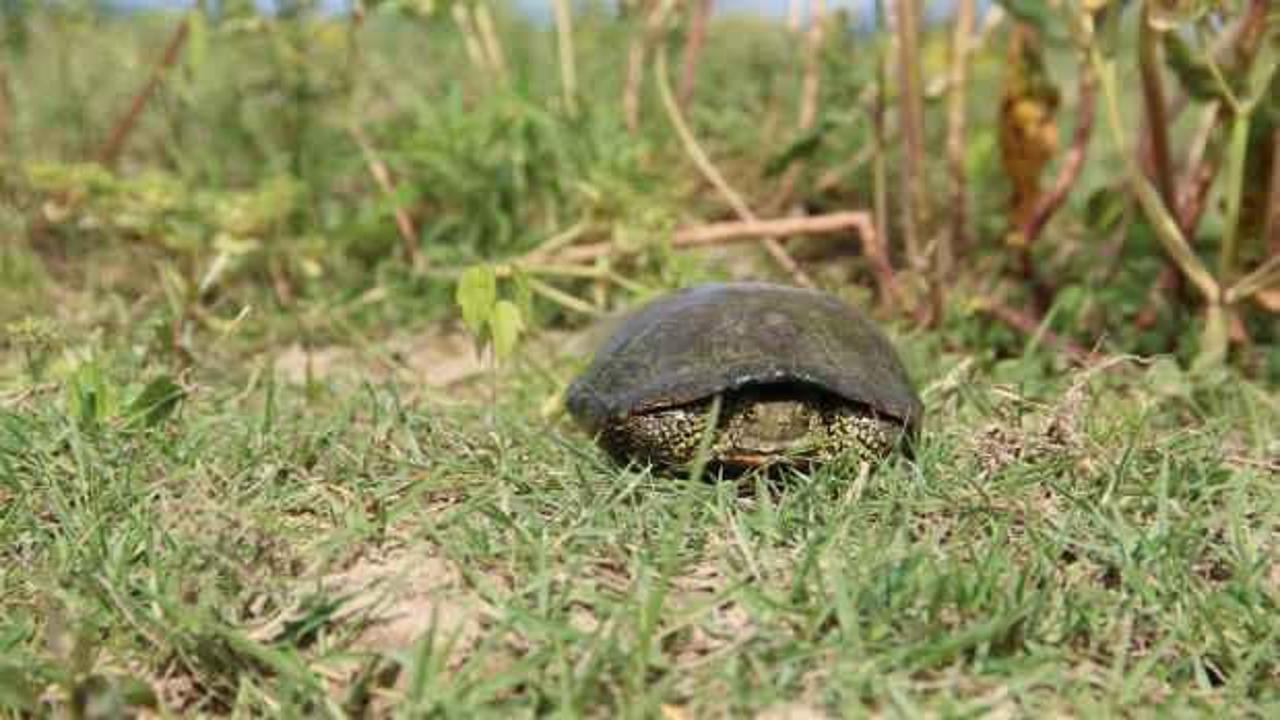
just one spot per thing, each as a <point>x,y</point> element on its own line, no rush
<point>800,377</point>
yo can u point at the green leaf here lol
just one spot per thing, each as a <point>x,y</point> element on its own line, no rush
<point>1035,13</point>
<point>1192,70</point>
<point>157,401</point>
<point>507,326</point>
<point>803,147</point>
<point>90,396</point>
<point>477,292</point>
<point>1105,208</point>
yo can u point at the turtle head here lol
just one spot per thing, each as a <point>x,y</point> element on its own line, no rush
<point>768,424</point>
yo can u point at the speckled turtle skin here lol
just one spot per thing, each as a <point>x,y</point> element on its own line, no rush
<point>839,382</point>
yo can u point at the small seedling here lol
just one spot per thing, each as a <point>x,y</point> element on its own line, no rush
<point>495,324</point>
<point>38,339</point>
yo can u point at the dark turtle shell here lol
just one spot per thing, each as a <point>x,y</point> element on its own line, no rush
<point>708,339</point>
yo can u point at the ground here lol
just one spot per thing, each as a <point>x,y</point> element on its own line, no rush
<point>394,530</point>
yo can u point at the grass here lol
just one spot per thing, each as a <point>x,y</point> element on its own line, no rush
<point>1080,544</point>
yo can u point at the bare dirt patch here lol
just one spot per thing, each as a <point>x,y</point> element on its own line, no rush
<point>441,356</point>
<point>398,598</point>
<point>792,711</point>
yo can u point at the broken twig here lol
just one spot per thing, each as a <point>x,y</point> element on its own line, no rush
<point>740,231</point>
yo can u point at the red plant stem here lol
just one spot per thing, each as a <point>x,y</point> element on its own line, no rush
<point>1072,165</point>
<point>112,148</point>
<point>693,51</point>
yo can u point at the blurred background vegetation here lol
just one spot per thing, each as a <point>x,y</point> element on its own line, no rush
<point>1095,175</point>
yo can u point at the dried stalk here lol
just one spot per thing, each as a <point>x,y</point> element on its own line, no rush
<point>635,76</point>
<point>382,176</point>
<point>880,145</point>
<point>636,52</point>
<point>915,208</point>
<point>812,64</point>
<point>693,43</point>
<point>553,244</point>
<point>112,148</point>
<point>1263,277</point>
<point>561,297</point>
<point>6,110</point>
<point>793,15</point>
<point>568,66</point>
<point>739,231</point>
<point>470,40</point>
<point>962,29</point>
<point>708,169</point>
<point>489,36</point>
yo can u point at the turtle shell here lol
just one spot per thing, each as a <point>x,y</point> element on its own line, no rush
<point>713,338</point>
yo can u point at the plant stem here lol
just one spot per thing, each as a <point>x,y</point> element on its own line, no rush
<point>1234,195</point>
<point>112,148</point>
<point>5,111</point>
<point>1264,277</point>
<point>911,113</point>
<point>880,164</point>
<point>1154,105</point>
<point>1048,203</point>
<point>1163,223</point>
<point>489,36</point>
<point>693,51</point>
<point>641,38</point>
<point>462,18</point>
<point>962,29</point>
<point>568,66</point>
<point>812,65</point>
